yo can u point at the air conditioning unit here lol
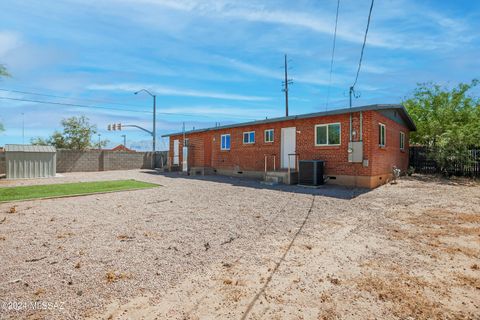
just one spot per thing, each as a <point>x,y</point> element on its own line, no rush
<point>310,172</point>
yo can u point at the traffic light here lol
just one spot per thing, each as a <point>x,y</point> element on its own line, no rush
<point>119,126</point>
<point>109,127</point>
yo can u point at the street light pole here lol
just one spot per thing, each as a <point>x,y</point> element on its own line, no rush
<point>154,131</point>
<point>124,140</point>
<point>154,123</point>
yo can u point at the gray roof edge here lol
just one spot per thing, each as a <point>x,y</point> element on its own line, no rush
<point>372,107</point>
<point>29,148</point>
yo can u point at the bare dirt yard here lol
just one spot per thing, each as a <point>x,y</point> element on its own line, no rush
<point>225,248</point>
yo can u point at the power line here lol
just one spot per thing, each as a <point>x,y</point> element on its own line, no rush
<point>69,98</point>
<point>363,46</point>
<point>72,105</point>
<point>333,54</point>
<point>119,109</point>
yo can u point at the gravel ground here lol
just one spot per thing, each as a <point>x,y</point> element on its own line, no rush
<point>226,248</point>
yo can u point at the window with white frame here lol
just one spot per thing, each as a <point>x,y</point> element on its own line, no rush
<point>225,142</point>
<point>249,137</point>
<point>327,134</point>
<point>269,135</point>
<point>381,135</point>
<point>402,140</point>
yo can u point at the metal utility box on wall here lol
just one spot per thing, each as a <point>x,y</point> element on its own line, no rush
<point>355,151</point>
<point>185,159</point>
<point>28,161</point>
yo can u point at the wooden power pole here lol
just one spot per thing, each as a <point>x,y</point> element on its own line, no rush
<point>285,83</point>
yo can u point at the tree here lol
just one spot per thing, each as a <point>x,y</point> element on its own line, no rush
<point>77,135</point>
<point>3,71</point>
<point>448,121</point>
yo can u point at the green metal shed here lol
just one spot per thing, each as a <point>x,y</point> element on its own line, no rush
<point>29,162</point>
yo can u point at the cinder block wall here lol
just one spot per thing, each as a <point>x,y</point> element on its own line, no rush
<point>79,161</point>
<point>3,164</point>
<point>113,160</point>
<point>100,160</point>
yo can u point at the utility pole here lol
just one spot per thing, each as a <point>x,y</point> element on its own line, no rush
<point>285,83</point>
<point>124,140</point>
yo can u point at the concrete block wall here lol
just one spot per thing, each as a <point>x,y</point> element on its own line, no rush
<point>103,160</point>
<point>3,164</point>
<point>100,160</point>
<point>113,160</point>
<point>79,161</point>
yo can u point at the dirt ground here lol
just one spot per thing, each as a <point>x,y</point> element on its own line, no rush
<point>226,248</point>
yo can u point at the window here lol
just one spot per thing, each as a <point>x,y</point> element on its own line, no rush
<point>327,134</point>
<point>269,135</point>
<point>402,140</point>
<point>249,137</point>
<point>381,135</point>
<point>225,142</point>
<point>185,143</point>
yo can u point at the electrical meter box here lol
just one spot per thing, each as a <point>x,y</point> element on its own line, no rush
<point>185,159</point>
<point>355,151</point>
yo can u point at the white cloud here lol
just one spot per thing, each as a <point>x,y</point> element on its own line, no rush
<point>172,91</point>
<point>8,42</point>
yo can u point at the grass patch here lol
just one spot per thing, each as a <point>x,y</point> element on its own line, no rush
<point>70,189</point>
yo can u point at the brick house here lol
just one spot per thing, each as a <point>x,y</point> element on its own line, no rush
<point>359,145</point>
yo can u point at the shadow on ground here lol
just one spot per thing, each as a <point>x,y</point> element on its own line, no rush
<point>328,190</point>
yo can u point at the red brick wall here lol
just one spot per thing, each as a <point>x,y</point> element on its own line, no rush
<point>205,146</point>
<point>384,158</point>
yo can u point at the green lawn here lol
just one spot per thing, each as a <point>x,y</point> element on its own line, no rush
<point>70,189</point>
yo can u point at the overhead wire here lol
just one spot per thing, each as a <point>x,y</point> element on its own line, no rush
<point>333,55</point>
<point>363,45</point>
<point>102,107</point>
<point>68,98</point>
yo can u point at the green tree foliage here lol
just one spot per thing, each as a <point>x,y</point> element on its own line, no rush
<point>3,71</point>
<point>448,121</point>
<point>77,135</point>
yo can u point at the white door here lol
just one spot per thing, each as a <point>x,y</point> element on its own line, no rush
<point>288,146</point>
<point>176,150</point>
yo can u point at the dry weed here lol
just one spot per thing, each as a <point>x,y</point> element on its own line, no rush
<point>468,281</point>
<point>65,235</point>
<point>406,294</point>
<point>112,276</point>
<point>433,227</point>
<point>39,292</point>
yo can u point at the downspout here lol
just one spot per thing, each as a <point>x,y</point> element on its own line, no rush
<point>361,126</point>
<point>351,91</point>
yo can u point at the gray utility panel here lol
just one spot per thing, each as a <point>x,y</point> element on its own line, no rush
<point>28,161</point>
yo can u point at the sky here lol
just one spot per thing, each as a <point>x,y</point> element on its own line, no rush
<point>218,61</point>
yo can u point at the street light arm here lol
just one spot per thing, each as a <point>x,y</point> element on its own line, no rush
<point>138,127</point>
<point>145,90</point>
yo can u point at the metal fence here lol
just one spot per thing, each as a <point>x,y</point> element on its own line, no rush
<point>422,159</point>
